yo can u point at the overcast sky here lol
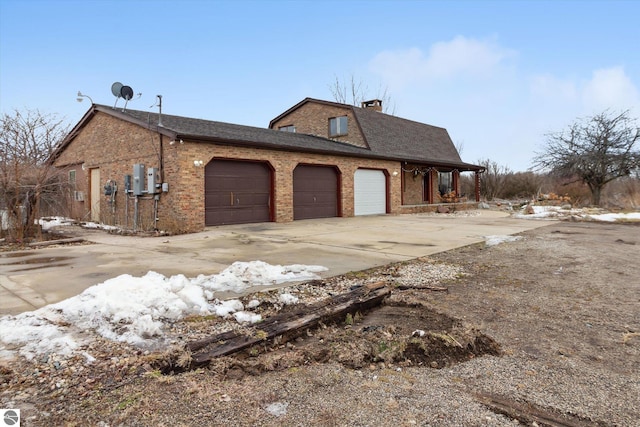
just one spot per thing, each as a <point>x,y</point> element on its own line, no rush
<point>498,75</point>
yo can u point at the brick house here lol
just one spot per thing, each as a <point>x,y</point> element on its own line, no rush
<point>141,170</point>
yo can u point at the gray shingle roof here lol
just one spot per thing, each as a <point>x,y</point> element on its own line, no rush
<point>208,130</point>
<point>411,141</point>
<point>399,139</point>
<point>393,136</point>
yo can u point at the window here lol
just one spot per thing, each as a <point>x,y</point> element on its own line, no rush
<point>72,177</point>
<point>289,128</point>
<point>444,182</point>
<point>338,126</point>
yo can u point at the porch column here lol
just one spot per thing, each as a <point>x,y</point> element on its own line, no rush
<point>455,182</point>
<point>433,183</point>
<point>477,186</point>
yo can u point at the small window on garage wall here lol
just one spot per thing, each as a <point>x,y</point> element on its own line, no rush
<point>72,177</point>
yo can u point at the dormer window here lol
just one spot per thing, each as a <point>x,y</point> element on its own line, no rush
<point>338,126</point>
<point>289,128</point>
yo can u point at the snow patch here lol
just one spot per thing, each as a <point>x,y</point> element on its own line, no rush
<point>288,299</point>
<point>277,409</point>
<point>613,217</point>
<point>496,240</point>
<point>135,310</point>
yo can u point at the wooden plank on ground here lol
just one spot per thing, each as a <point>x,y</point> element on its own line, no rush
<point>57,242</point>
<point>289,325</point>
<point>529,413</point>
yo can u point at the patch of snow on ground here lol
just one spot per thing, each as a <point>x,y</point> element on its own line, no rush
<point>288,299</point>
<point>246,317</point>
<point>545,212</point>
<point>496,240</point>
<point>135,309</point>
<point>557,212</point>
<point>613,217</point>
<point>277,409</point>
<point>50,222</point>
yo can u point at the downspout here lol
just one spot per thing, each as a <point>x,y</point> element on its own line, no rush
<point>161,160</point>
<point>161,165</point>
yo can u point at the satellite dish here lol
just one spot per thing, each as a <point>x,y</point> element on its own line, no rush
<point>126,92</point>
<point>116,88</point>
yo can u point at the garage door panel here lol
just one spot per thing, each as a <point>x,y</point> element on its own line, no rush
<point>315,192</point>
<point>370,192</point>
<point>237,192</point>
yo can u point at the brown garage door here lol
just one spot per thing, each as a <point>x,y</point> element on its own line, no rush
<point>237,192</point>
<point>315,192</point>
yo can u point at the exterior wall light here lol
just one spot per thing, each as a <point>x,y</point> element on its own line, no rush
<point>81,96</point>
<point>198,163</point>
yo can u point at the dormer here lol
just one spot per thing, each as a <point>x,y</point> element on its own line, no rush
<point>325,119</point>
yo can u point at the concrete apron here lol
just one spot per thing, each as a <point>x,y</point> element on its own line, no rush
<point>34,278</point>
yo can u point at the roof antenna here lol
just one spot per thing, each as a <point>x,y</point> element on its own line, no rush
<point>160,109</point>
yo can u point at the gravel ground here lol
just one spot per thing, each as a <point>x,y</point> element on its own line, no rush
<point>561,303</point>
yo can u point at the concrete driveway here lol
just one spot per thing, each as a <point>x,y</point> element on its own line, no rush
<point>33,278</point>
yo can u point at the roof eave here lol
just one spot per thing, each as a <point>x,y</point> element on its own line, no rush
<point>128,118</point>
<point>463,167</point>
<point>107,110</point>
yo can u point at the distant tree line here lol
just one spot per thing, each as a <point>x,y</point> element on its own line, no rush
<point>499,183</point>
<point>596,161</point>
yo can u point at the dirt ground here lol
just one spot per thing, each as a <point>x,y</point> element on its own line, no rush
<point>544,330</point>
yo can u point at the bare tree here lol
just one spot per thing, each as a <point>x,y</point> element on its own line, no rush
<point>27,140</point>
<point>596,151</point>
<point>354,91</point>
<point>492,181</point>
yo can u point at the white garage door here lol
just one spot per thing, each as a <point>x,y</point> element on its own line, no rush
<point>370,192</point>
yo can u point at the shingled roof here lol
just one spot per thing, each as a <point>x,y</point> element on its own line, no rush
<point>199,130</point>
<point>396,138</point>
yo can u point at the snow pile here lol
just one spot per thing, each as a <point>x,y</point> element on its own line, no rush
<point>135,309</point>
<point>50,222</point>
<point>557,212</point>
<point>613,217</point>
<point>54,221</point>
<point>545,212</point>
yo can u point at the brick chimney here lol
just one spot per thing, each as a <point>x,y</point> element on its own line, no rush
<point>374,104</point>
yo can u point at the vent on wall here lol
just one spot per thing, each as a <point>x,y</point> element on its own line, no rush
<point>78,196</point>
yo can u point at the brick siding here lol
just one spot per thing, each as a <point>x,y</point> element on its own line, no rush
<point>113,146</point>
<point>313,119</point>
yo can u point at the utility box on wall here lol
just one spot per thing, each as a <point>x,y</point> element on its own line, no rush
<point>138,179</point>
<point>153,181</point>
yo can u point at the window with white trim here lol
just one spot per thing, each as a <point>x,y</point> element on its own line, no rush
<point>289,128</point>
<point>338,126</point>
